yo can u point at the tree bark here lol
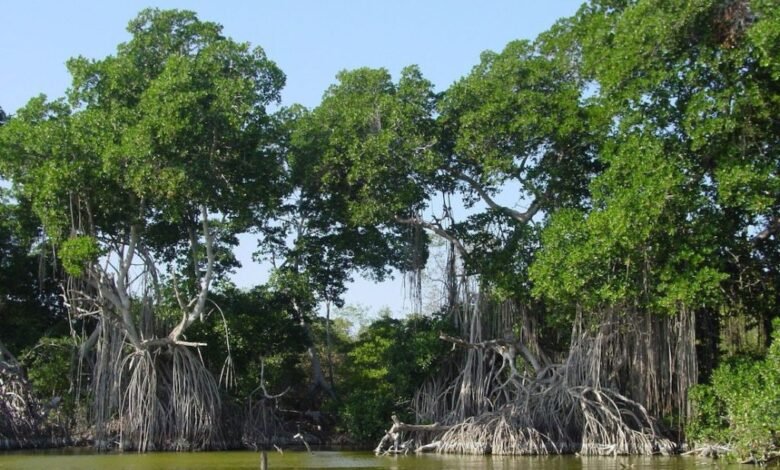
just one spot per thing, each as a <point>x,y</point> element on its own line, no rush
<point>505,348</point>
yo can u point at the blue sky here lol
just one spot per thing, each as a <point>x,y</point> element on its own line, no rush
<point>310,40</point>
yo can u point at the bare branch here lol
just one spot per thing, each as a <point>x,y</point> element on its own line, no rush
<point>772,227</point>
<point>394,433</point>
<point>200,300</point>
<point>87,345</point>
<point>261,387</point>
<point>126,262</point>
<point>151,267</point>
<point>504,348</point>
<point>521,217</point>
<point>210,259</point>
<point>177,294</point>
<point>158,342</point>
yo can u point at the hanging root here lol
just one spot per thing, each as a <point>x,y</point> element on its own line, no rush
<point>505,396</point>
<point>263,425</point>
<point>142,415</point>
<point>500,433</point>
<point>551,419</point>
<point>171,401</point>
<point>616,425</point>
<point>196,402</point>
<point>559,410</point>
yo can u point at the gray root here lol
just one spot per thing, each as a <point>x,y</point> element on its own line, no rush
<point>506,399</point>
<point>20,417</point>
<point>148,387</point>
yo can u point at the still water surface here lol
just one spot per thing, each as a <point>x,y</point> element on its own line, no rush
<point>70,460</point>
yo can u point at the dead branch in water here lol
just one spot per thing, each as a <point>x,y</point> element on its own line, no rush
<point>392,436</point>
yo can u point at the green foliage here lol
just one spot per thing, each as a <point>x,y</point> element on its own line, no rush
<point>389,361</point>
<point>48,365</point>
<point>30,303</point>
<point>645,133</point>
<point>360,160</point>
<point>689,160</point>
<point>742,405</point>
<point>77,253</point>
<point>519,117</point>
<point>708,421</point>
<point>176,120</point>
<point>366,138</point>
<point>260,328</point>
<point>518,126</point>
<point>638,242</point>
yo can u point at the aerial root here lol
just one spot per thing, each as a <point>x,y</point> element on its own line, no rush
<point>495,433</point>
<point>549,417</point>
<point>171,401</point>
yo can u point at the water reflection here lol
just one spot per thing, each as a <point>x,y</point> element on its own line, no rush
<point>67,460</point>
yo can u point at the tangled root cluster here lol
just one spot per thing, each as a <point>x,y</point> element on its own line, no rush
<point>492,407</point>
<point>553,418</point>
<point>20,417</point>
<point>171,401</point>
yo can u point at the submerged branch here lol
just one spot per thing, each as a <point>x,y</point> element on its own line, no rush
<point>394,433</point>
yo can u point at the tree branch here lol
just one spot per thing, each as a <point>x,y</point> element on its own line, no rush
<point>126,261</point>
<point>87,345</point>
<point>504,348</point>
<point>521,217</point>
<point>107,289</point>
<point>200,300</point>
<point>158,342</point>
<point>772,227</point>
<point>393,435</point>
<point>200,306</point>
<point>437,229</point>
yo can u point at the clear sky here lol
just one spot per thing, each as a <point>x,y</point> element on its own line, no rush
<point>310,40</point>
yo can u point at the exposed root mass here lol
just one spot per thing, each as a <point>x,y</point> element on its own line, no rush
<point>551,418</point>
<point>171,401</point>
<point>507,398</point>
<point>20,418</point>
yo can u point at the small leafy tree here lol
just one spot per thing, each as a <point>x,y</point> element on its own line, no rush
<point>388,363</point>
<point>740,407</point>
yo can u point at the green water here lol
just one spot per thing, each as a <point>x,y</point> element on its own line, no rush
<point>67,460</point>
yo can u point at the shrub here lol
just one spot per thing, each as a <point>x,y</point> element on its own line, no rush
<point>48,366</point>
<point>389,361</point>
<point>742,405</point>
<point>77,252</point>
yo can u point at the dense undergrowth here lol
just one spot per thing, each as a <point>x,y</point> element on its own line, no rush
<point>740,408</point>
